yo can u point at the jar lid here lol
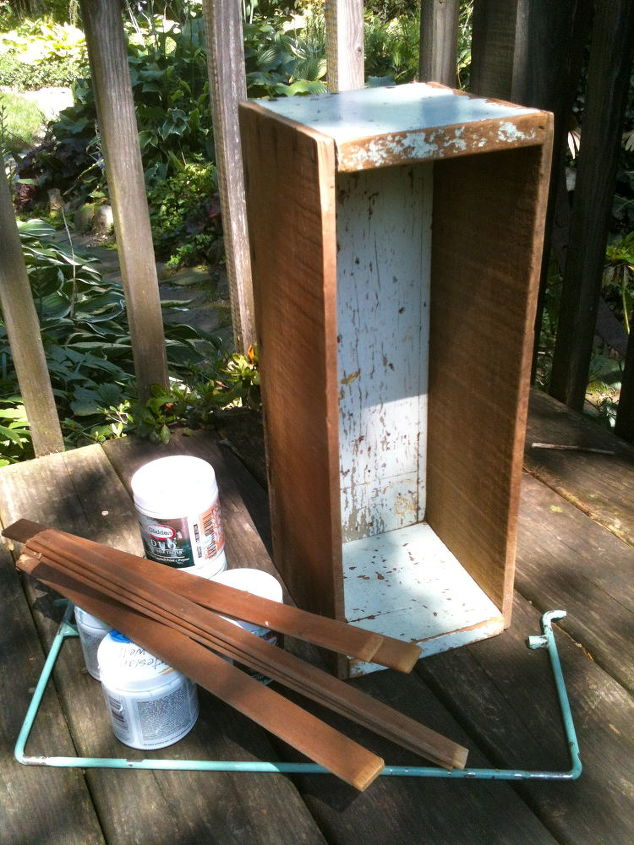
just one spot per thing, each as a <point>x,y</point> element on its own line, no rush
<point>173,485</point>
<point>251,581</point>
<point>125,665</point>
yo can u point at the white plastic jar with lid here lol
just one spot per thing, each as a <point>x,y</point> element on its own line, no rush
<point>91,632</point>
<point>151,705</point>
<point>176,499</point>
<point>260,584</point>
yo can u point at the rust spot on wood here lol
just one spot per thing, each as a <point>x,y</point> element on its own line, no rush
<point>352,377</point>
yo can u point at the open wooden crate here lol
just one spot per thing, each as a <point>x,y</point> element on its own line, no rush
<point>396,238</point>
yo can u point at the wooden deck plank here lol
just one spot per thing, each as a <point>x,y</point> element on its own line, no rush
<point>80,492</point>
<point>566,560</point>
<point>602,486</point>
<point>36,804</point>
<point>502,691</point>
<point>408,810</point>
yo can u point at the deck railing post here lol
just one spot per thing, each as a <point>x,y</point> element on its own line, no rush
<point>344,44</point>
<point>608,80</point>
<point>438,41</point>
<point>227,86</point>
<point>112,87</point>
<point>23,331</point>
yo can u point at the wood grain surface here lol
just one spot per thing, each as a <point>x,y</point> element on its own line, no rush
<point>482,312</point>
<point>110,78</point>
<point>36,804</point>
<point>227,87</point>
<point>601,486</point>
<point>23,330</point>
<point>344,44</point>
<point>504,694</point>
<point>293,247</point>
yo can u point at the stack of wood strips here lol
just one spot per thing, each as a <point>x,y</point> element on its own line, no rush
<point>175,616</point>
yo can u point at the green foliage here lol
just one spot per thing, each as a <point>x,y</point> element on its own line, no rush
<point>285,57</point>
<point>39,53</point>
<point>15,434</point>
<point>185,216</point>
<point>618,277</point>
<point>20,122</point>
<point>211,387</point>
<point>87,346</point>
<point>392,47</point>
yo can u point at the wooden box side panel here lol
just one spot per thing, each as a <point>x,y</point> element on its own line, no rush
<point>290,190</point>
<point>486,250</point>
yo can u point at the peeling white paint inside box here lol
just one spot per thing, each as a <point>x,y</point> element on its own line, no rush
<point>383,285</point>
<point>406,583</point>
<point>371,112</point>
<point>399,577</point>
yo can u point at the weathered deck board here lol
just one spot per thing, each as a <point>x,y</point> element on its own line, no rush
<point>408,810</point>
<point>566,560</point>
<point>601,486</point>
<point>502,691</point>
<point>79,491</point>
<point>36,804</point>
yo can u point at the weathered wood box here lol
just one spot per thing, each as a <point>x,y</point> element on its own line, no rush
<point>396,238</point>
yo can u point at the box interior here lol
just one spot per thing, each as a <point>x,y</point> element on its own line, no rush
<point>399,577</point>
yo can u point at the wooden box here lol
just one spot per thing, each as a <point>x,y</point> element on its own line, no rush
<point>396,238</point>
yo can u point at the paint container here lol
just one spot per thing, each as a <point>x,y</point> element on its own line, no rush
<point>260,584</point>
<point>176,499</point>
<point>151,705</point>
<point>91,632</point>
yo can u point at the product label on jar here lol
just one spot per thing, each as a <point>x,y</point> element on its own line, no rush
<point>183,542</point>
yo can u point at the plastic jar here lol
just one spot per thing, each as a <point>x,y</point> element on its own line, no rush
<point>91,632</point>
<point>176,499</point>
<point>260,584</point>
<point>151,705</point>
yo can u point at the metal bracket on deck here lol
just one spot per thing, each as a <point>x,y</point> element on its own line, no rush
<point>544,640</point>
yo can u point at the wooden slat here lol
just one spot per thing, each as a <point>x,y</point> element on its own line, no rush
<point>507,699</point>
<point>36,804</point>
<point>227,87</point>
<point>567,560</point>
<point>295,295</point>
<point>317,740</point>
<point>498,51</point>
<point>121,581</point>
<point>344,44</point>
<point>482,312</point>
<point>79,491</point>
<point>122,155</point>
<point>23,331</point>
<point>438,41</point>
<point>600,485</point>
<point>608,82</point>
<point>221,598</point>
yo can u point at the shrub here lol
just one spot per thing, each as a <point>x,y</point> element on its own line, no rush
<point>87,345</point>
<point>37,54</point>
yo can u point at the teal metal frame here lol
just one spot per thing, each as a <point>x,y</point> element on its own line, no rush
<point>66,629</point>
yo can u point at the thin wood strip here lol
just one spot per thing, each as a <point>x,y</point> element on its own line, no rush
<point>308,734</point>
<point>319,630</point>
<point>285,667</point>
